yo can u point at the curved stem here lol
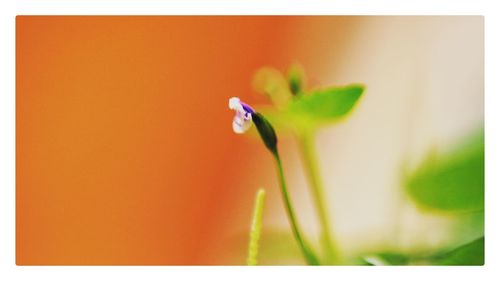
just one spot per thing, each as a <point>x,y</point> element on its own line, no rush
<point>306,143</point>
<point>306,251</point>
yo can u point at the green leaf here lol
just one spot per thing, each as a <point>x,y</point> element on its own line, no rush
<point>466,227</point>
<point>309,111</point>
<point>328,104</point>
<point>386,259</point>
<point>453,181</point>
<point>471,253</point>
<point>468,254</point>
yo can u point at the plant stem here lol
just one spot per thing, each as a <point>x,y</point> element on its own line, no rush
<point>253,245</point>
<point>309,255</point>
<point>306,143</point>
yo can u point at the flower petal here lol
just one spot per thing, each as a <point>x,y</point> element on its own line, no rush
<point>242,120</point>
<point>241,125</point>
<point>235,104</point>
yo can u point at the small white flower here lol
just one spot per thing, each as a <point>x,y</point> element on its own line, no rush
<point>242,121</point>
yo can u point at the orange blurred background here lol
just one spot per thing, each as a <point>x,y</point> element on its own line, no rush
<point>124,147</point>
<point>125,152</point>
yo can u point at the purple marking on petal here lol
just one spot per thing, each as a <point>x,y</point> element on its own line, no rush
<point>247,108</point>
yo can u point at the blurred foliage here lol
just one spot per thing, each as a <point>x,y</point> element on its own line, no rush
<point>297,109</point>
<point>276,247</point>
<point>326,105</point>
<point>279,247</point>
<point>468,254</point>
<point>450,182</point>
<point>466,227</point>
<point>453,181</point>
<point>273,84</point>
<point>296,79</point>
<point>386,258</point>
<point>471,253</point>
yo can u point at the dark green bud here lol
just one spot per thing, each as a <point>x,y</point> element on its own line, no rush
<point>296,79</point>
<point>295,85</point>
<point>266,132</point>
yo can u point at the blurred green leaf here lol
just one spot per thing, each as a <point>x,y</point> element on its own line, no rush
<point>327,104</point>
<point>466,227</point>
<point>295,108</point>
<point>453,181</point>
<point>308,111</point>
<point>469,254</point>
<point>273,84</point>
<point>386,259</point>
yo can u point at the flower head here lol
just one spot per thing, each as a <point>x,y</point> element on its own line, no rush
<point>242,121</point>
<point>245,116</point>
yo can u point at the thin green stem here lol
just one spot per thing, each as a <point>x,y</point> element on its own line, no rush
<point>306,143</point>
<point>253,245</point>
<point>309,255</point>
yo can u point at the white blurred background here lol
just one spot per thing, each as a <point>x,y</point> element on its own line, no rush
<point>424,80</point>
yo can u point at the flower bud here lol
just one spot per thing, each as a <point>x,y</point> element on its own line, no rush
<point>266,132</point>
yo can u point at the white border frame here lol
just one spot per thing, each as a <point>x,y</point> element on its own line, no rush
<point>8,269</point>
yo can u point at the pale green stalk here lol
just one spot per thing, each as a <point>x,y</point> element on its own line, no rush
<point>253,245</point>
<point>309,255</point>
<point>307,147</point>
<point>268,135</point>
